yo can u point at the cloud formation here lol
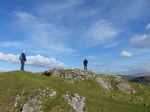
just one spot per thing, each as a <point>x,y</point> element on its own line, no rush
<point>135,11</point>
<point>41,61</point>
<point>58,7</point>
<point>3,70</point>
<point>103,64</point>
<point>125,54</point>
<point>37,61</point>
<point>139,67</point>
<point>141,41</point>
<point>42,34</point>
<point>148,26</point>
<point>142,67</point>
<point>101,32</point>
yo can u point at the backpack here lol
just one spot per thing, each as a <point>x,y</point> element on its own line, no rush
<point>20,57</point>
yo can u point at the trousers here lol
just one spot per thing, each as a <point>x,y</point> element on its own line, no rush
<point>22,65</point>
<point>85,66</point>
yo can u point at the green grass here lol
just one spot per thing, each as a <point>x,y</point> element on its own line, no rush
<point>145,83</point>
<point>97,98</point>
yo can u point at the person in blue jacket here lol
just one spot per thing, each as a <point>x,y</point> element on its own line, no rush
<point>85,62</point>
<point>23,59</point>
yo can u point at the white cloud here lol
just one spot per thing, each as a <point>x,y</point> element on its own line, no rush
<point>37,60</point>
<point>148,26</point>
<point>41,61</point>
<point>103,64</point>
<point>140,67</point>
<point>101,32</point>
<point>43,35</point>
<point>125,54</point>
<point>9,57</point>
<point>125,10</point>
<point>3,70</point>
<point>141,41</point>
<point>24,16</point>
<point>58,7</point>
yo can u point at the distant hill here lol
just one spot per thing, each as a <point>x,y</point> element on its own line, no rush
<point>143,78</point>
<point>141,75</point>
<point>70,91</point>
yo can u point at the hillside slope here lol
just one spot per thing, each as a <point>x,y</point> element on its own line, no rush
<point>22,91</point>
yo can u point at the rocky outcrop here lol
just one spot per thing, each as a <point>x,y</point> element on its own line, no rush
<point>75,101</point>
<point>72,74</point>
<point>105,85</point>
<point>126,88</point>
<point>123,86</point>
<point>33,104</point>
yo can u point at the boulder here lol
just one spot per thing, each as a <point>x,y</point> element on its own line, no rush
<point>105,85</point>
<point>126,88</point>
<point>123,86</point>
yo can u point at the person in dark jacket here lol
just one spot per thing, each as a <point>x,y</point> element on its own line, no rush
<point>85,62</point>
<point>23,60</point>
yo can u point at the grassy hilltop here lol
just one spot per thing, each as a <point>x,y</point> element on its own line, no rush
<point>19,87</point>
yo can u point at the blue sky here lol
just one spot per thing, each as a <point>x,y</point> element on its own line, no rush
<point>114,35</point>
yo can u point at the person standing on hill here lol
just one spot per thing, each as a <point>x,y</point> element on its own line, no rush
<point>23,59</point>
<point>85,62</point>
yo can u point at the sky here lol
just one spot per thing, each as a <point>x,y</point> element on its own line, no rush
<point>114,35</point>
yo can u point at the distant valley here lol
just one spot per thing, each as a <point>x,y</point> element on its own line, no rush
<point>143,78</point>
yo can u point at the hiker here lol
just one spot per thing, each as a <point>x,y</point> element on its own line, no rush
<point>85,62</point>
<point>23,59</point>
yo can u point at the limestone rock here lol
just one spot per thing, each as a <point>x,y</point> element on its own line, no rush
<point>105,85</point>
<point>33,104</point>
<point>126,88</point>
<point>75,101</point>
<point>123,86</point>
<point>118,79</point>
<point>72,74</point>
